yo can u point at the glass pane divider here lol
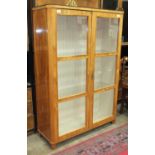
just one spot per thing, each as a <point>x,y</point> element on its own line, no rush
<point>106,54</point>
<point>68,98</point>
<point>78,57</point>
<point>101,90</point>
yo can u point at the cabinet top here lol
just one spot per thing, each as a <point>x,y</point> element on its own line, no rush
<point>77,8</point>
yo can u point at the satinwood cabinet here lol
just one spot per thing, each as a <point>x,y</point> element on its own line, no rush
<point>77,59</point>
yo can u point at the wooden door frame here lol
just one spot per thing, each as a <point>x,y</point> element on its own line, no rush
<point>54,59</point>
<point>114,87</point>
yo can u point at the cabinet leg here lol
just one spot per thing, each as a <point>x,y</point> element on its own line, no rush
<point>113,121</point>
<point>53,146</point>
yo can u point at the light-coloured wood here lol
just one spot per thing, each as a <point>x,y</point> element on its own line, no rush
<point>124,43</point>
<point>117,74</point>
<point>30,108</point>
<point>29,94</point>
<point>104,121</point>
<point>68,98</point>
<point>30,122</point>
<point>104,89</point>
<point>101,4</point>
<point>72,134</point>
<point>53,77</point>
<point>88,77</point>
<point>107,15</point>
<point>106,54</point>
<point>67,12</point>
<point>46,68</point>
<point>66,58</point>
<point>79,9</point>
<point>120,5</point>
<point>80,3</point>
<point>91,70</point>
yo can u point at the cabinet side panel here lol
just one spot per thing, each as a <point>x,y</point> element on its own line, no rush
<point>41,71</point>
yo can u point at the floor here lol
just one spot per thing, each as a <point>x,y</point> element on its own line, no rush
<point>38,146</point>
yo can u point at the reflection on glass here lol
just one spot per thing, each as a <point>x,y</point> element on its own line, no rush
<point>104,71</point>
<point>71,77</point>
<point>103,105</point>
<point>72,35</point>
<point>71,115</point>
<point>106,35</point>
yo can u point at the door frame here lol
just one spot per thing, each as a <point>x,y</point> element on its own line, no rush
<point>117,54</point>
<point>68,12</point>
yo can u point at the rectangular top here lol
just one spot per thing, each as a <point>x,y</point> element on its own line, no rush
<point>78,8</point>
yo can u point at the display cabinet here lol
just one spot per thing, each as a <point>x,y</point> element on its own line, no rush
<point>77,55</point>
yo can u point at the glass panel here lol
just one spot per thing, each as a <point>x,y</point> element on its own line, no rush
<point>71,115</point>
<point>103,105</point>
<point>106,35</point>
<point>71,77</point>
<point>72,35</point>
<point>104,71</point>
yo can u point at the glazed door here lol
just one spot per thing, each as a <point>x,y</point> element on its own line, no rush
<point>106,55</point>
<point>73,36</point>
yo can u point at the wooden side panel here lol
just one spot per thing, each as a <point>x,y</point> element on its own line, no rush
<point>41,71</point>
<point>80,3</point>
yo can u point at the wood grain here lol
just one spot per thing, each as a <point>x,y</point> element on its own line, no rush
<point>120,5</point>
<point>106,54</point>
<point>46,68</point>
<point>68,98</point>
<point>80,3</point>
<point>115,12</point>
<point>88,73</point>
<point>66,58</point>
<point>53,82</point>
<point>41,71</point>
<point>104,89</point>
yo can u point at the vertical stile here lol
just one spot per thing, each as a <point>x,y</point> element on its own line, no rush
<point>117,74</point>
<point>92,59</point>
<point>53,86</point>
<point>88,100</point>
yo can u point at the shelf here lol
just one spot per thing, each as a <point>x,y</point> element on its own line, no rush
<point>124,43</point>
